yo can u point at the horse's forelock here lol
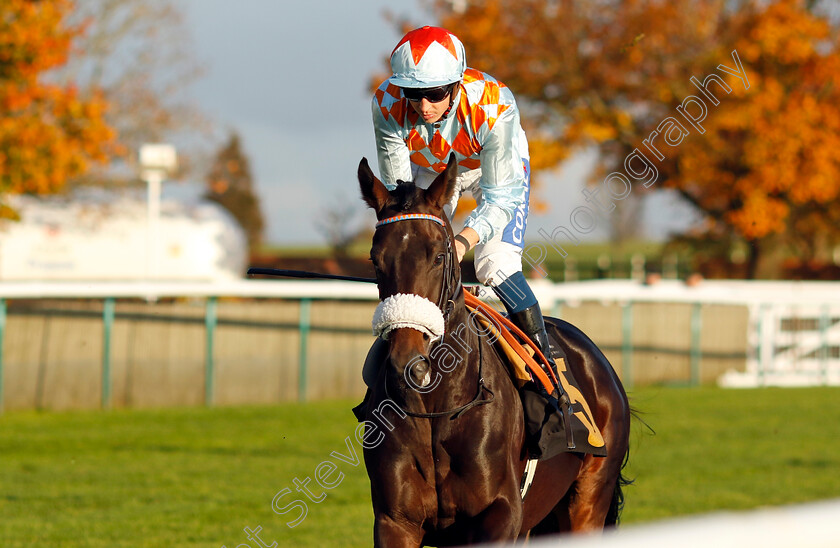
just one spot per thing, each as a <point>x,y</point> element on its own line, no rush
<point>405,195</point>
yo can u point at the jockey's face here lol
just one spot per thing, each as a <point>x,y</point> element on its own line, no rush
<point>431,112</point>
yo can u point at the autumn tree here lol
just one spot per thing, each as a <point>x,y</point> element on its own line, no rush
<point>762,164</point>
<point>48,132</point>
<point>229,184</point>
<point>769,169</point>
<point>139,53</point>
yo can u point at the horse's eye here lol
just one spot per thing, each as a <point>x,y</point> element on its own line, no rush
<point>439,259</point>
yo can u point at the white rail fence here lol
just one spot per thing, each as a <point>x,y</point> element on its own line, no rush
<point>791,338</point>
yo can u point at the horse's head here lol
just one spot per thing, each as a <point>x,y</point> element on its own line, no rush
<point>416,268</point>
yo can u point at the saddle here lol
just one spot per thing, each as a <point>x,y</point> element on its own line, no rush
<point>548,432</point>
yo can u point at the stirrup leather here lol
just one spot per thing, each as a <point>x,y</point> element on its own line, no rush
<point>532,324</point>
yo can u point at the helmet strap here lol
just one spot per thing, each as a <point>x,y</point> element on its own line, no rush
<point>455,85</point>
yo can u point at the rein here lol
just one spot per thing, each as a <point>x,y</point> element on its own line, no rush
<point>254,270</point>
<point>446,310</point>
<point>458,411</point>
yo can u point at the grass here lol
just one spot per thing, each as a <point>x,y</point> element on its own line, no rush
<point>718,449</point>
<point>198,477</point>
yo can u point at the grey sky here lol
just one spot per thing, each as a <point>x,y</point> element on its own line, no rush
<point>293,81</point>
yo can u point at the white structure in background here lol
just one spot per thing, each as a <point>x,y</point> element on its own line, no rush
<point>156,162</point>
<point>102,236</point>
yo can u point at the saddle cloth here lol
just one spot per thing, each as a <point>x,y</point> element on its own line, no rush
<point>525,371</point>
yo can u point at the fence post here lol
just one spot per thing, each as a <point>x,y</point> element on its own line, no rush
<point>2,331</point>
<point>823,353</point>
<point>210,321</point>
<point>303,329</point>
<point>764,353</point>
<point>627,343</point>
<point>107,327</point>
<point>695,352</point>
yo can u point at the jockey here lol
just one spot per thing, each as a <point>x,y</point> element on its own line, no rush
<point>433,106</point>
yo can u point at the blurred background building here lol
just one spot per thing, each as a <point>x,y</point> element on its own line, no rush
<point>102,236</point>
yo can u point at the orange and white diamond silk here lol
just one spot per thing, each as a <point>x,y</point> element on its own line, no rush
<point>482,130</point>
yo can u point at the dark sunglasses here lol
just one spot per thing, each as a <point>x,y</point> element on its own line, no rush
<point>433,95</point>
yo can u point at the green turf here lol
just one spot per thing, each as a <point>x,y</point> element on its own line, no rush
<point>198,477</point>
<point>718,449</point>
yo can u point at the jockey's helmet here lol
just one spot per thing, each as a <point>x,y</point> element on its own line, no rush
<point>428,57</point>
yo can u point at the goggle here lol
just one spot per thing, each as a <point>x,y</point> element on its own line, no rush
<point>433,95</point>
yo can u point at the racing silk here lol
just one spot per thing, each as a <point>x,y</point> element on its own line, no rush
<point>483,131</point>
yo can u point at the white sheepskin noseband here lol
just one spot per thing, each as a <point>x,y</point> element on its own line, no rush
<point>408,310</point>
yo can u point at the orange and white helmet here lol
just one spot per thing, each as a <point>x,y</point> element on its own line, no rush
<point>428,57</point>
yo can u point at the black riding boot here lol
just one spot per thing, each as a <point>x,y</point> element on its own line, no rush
<point>531,322</point>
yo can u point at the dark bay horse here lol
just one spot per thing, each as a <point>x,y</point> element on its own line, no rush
<point>447,470</point>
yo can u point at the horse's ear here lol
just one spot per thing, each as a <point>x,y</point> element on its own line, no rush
<point>441,190</point>
<point>373,191</point>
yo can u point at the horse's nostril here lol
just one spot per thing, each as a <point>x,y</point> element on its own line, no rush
<point>419,364</point>
<point>420,371</point>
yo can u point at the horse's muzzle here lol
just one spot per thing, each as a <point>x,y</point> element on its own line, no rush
<point>418,372</point>
<point>409,358</point>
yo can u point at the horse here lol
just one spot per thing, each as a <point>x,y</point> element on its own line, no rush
<point>450,451</point>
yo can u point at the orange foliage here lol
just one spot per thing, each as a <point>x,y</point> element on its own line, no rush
<point>767,167</point>
<point>48,133</point>
<point>772,151</point>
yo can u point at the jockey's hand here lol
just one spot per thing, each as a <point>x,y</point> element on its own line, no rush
<point>472,238</point>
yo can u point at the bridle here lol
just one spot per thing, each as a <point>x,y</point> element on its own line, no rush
<point>446,303</point>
